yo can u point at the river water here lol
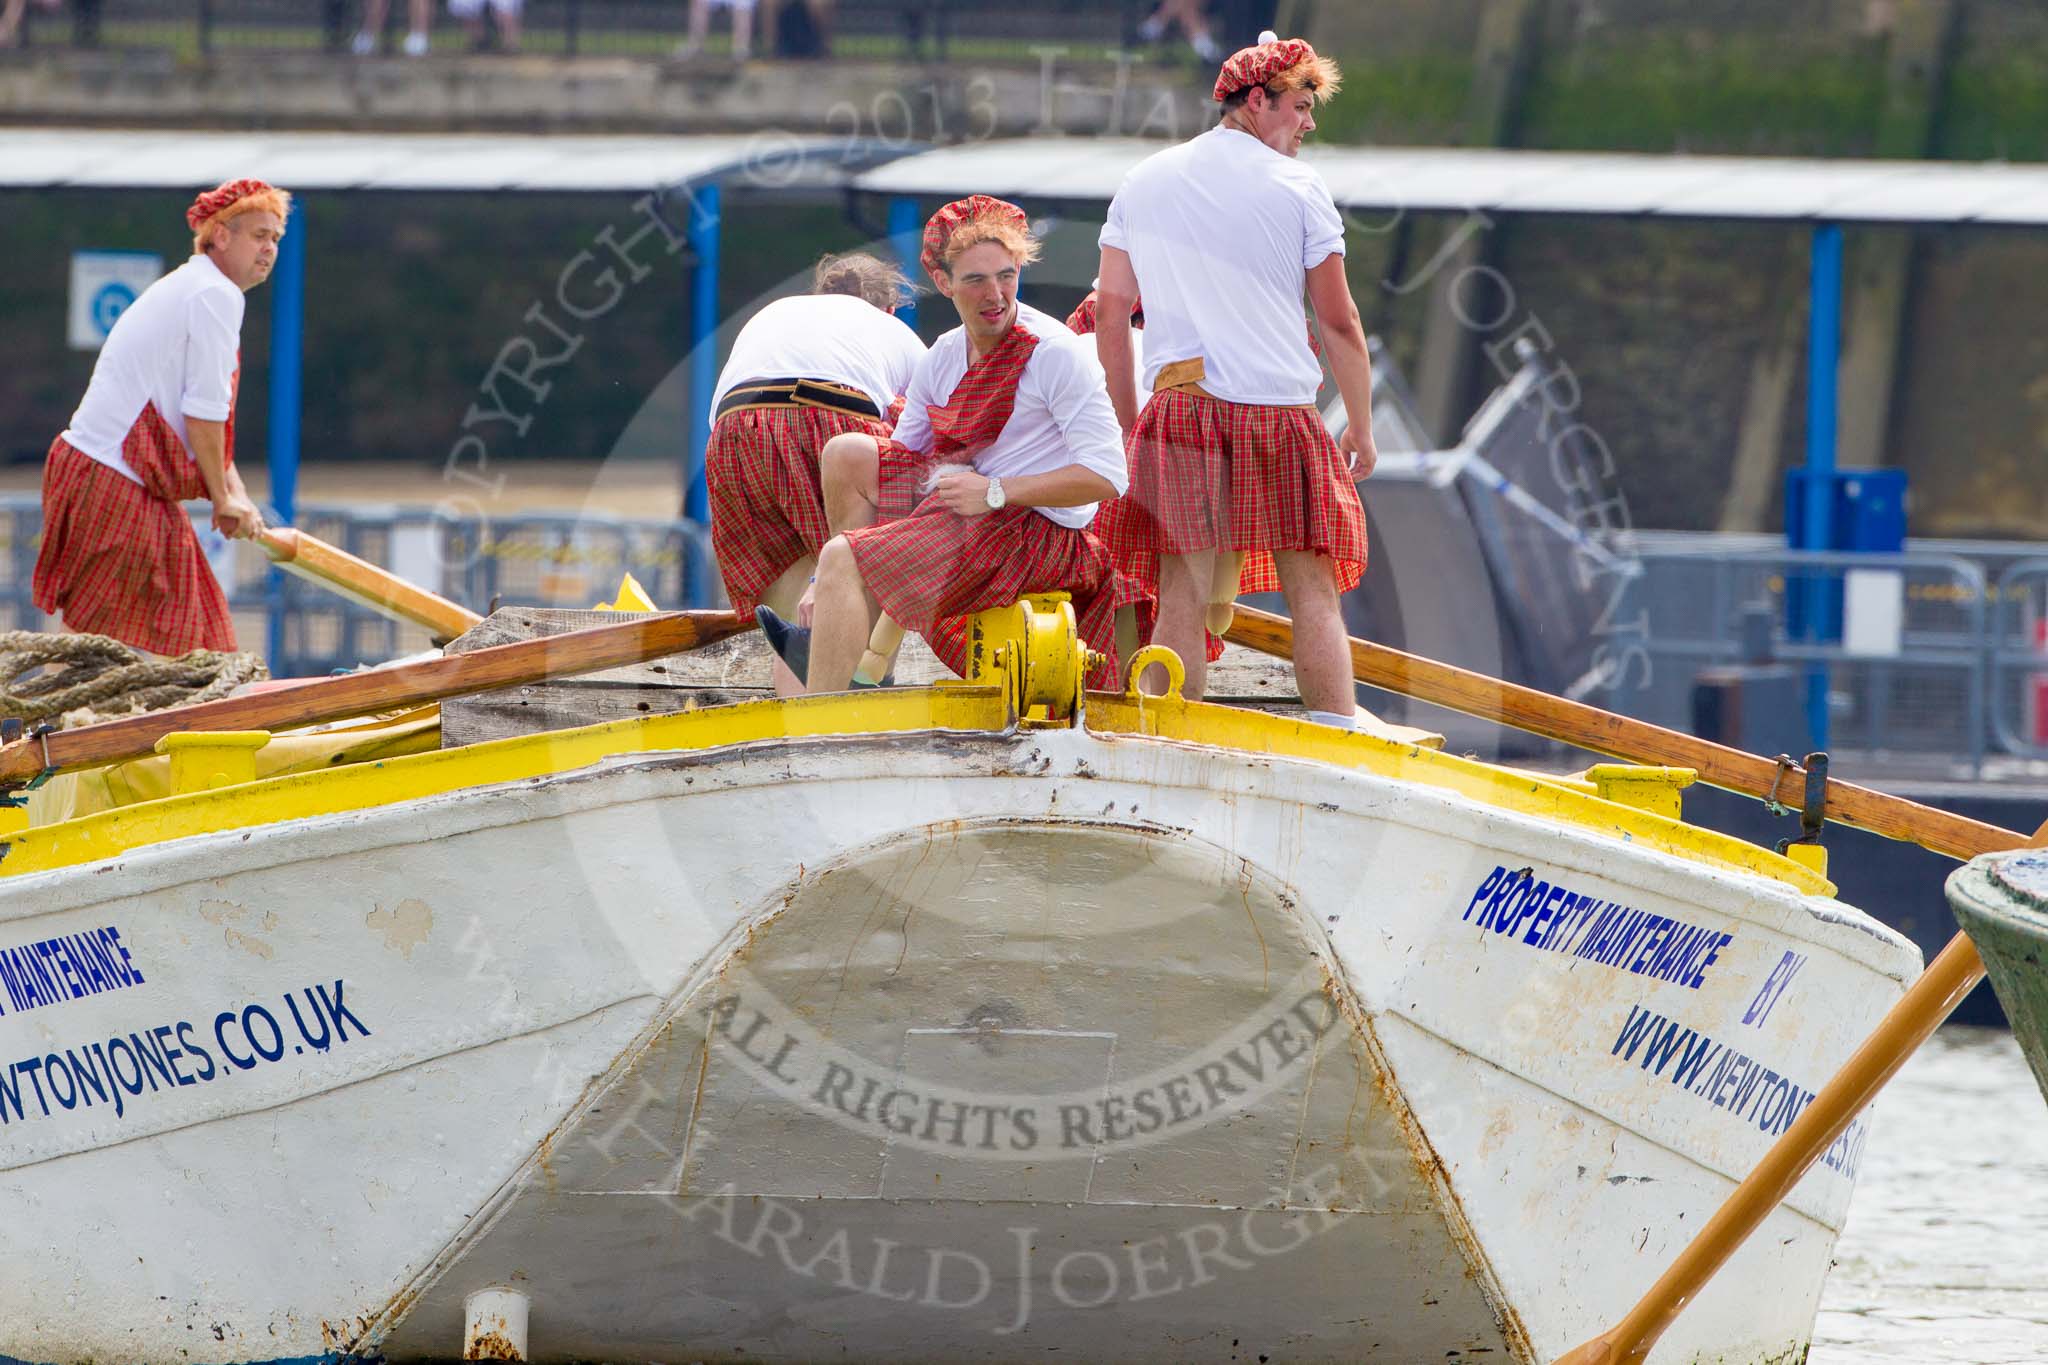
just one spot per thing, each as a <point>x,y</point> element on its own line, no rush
<point>1941,1261</point>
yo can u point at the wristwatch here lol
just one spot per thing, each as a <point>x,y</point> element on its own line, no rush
<point>996,499</point>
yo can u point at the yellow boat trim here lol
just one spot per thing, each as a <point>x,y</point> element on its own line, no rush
<point>384,782</point>
<point>1565,800</point>
<point>955,706</point>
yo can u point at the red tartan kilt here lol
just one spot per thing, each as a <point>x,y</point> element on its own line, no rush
<point>934,565</point>
<point>121,560</point>
<point>900,480</point>
<point>1208,474</point>
<point>767,510</point>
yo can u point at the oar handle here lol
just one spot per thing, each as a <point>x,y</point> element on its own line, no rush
<point>375,587</point>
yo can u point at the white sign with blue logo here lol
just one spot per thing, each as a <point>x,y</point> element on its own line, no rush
<point>103,284</point>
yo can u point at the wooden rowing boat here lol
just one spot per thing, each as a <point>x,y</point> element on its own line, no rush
<point>988,1020</point>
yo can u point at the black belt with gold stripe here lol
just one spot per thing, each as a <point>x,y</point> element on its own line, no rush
<point>798,393</point>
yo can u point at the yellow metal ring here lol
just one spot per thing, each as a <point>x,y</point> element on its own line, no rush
<point>1176,671</point>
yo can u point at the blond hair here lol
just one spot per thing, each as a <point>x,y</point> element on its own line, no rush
<point>863,276</point>
<point>1317,75</point>
<point>1004,230</point>
<point>271,200</point>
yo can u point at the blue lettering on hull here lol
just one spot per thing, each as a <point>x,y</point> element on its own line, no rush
<point>118,1070</point>
<point>1552,918</point>
<point>67,967</point>
<point>1718,1074</point>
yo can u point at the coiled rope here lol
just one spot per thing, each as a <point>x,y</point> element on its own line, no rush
<point>74,680</point>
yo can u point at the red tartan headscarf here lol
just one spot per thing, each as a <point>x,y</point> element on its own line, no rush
<point>213,201</point>
<point>1283,63</point>
<point>976,208</point>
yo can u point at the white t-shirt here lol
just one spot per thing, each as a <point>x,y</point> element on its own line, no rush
<point>175,346</point>
<point>836,337</point>
<point>1222,231</point>
<point>1062,415</point>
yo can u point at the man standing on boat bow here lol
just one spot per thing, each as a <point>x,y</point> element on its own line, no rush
<point>1231,464</point>
<point>802,371</point>
<point>1008,435</point>
<point>157,427</point>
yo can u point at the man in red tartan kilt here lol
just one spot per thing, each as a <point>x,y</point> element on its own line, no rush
<point>1008,433</point>
<point>802,371</point>
<point>155,429</point>
<point>1230,461</point>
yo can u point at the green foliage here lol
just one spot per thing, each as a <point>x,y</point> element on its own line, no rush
<point>1997,110</point>
<point>1741,93</point>
<point>1418,101</point>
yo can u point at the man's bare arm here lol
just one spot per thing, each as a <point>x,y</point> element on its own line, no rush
<point>234,514</point>
<point>1329,293</point>
<point>966,492</point>
<point>1115,297</point>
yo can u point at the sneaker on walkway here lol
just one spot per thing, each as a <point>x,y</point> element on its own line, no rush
<point>363,44</point>
<point>415,44</point>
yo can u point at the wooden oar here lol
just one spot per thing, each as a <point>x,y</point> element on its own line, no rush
<point>1908,1024</point>
<point>332,567</point>
<point>1604,732</point>
<point>372,691</point>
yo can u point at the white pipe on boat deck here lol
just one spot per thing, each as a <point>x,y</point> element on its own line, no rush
<point>495,1325</point>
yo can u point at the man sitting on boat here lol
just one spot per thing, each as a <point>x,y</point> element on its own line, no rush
<point>157,427</point>
<point>1008,437</point>
<point>802,371</point>
<point>1230,461</point>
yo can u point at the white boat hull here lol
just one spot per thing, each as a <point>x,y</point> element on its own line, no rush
<point>1195,1056</point>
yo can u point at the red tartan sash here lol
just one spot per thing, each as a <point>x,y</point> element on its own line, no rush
<point>981,403</point>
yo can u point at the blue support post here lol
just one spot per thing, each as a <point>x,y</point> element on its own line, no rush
<point>1814,531</point>
<point>906,233</point>
<point>287,352</point>
<point>703,236</point>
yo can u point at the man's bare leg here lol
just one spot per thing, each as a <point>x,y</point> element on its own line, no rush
<point>1183,608</point>
<point>1322,652</point>
<point>781,597</point>
<point>850,477</point>
<point>844,619</point>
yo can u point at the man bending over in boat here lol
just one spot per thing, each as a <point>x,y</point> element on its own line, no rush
<point>802,371</point>
<point>157,427</point>
<point>1231,464</point>
<point>1008,431</point>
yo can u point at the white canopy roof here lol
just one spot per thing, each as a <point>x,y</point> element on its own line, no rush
<point>1437,179</point>
<point>145,159</point>
<point>1423,179</point>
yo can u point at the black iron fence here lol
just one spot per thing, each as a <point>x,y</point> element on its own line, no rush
<point>920,30</point>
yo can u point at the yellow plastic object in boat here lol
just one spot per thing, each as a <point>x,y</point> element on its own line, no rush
<point>632,597</point>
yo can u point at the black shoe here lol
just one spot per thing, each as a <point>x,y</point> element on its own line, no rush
<point>790,641</point>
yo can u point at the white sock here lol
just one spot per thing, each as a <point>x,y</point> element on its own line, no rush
<point>1349,722</point>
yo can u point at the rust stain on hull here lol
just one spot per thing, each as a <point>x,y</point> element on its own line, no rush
<point>1423,1156</point>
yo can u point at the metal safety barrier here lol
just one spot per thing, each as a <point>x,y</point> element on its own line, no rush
<point>1901,643</point>
<point>2019,658</point>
